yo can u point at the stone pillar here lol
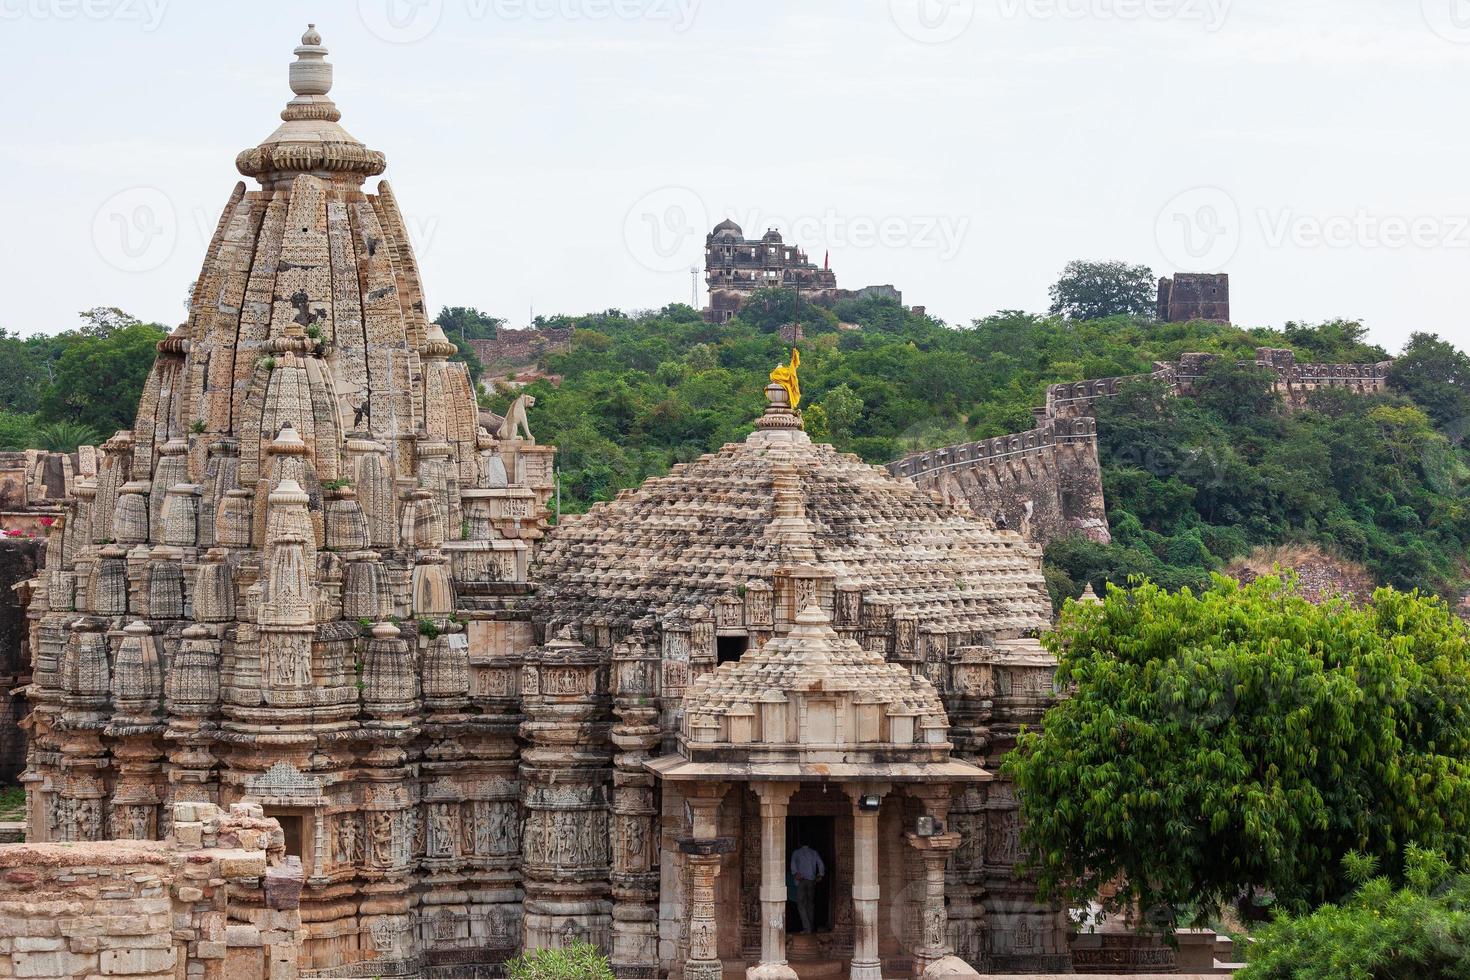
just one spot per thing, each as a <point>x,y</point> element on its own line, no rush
<point>704,851</point>
<point>934,918</point>
<point>565,771</point>
<point>865,962</point>
<point>775,801</point>
<point>635,860</point>
<point>934,851</point>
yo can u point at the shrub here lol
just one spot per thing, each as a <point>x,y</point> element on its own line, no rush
<point>1420,930</point>
<point>580,961</point>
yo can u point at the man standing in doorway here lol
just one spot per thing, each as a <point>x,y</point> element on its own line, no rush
<point>807,868</point>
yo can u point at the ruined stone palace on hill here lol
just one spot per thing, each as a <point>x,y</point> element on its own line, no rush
<point>736,267</point>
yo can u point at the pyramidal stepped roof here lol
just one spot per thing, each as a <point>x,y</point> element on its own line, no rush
<point>813,660</point>
<point>779,501</point>
<point>813,704</point>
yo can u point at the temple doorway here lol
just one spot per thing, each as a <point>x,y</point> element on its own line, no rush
<point>820,834</point>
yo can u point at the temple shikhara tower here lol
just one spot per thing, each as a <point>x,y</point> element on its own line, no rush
<point>309,581</point>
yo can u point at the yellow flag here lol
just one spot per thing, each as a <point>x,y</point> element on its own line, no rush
<point>785,376</point>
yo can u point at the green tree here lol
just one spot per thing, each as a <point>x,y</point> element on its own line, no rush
<point>98,379</point>
<point>104,321</point>
<point>17,431</point>
<point>768,310</point>
<point>844,410</point>
<point>580,961</point>
<point>1096,290</point>
<point>64,437</point>
<point>1437,376</point>
<point>1416,932</point>
<point>24,370</point>
<point>462,323</point>
<point>1246,739</point>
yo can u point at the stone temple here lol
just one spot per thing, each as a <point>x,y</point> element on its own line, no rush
<point>308,581</point>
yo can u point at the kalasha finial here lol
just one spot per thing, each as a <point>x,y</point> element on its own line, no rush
<point>311,74</point>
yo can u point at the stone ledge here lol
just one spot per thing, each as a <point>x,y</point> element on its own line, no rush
<point>78,856</point>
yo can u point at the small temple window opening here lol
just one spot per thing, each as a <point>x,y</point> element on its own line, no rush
<point>729,648</point>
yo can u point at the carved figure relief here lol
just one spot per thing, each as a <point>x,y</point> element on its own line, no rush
<point>348,848</point>
<point>380,827</point>
<point>441,830</point>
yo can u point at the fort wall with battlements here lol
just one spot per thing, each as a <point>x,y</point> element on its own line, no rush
<point>1047,482</point>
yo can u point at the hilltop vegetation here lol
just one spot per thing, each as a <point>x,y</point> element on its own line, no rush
<point>1190,483</point>
<point>58,391</point>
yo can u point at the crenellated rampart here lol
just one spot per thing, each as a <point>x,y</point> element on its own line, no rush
<point>1047,482</point>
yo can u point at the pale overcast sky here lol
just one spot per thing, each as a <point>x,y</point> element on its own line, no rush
<point>569,155</point>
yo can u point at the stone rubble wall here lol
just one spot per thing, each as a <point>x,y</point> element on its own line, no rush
<point>1047,482</point>
<point>217,900</point>
<point>521,347</point>
<point>36,479</point>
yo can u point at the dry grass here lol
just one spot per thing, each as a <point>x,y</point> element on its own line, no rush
<point>1322,574</point>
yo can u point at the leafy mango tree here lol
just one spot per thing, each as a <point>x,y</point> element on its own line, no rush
<point>1245,740</point>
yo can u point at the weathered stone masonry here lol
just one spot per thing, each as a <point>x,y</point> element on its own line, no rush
<point>217,900</point>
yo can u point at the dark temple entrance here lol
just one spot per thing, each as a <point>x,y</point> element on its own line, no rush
<point>819,833</point>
